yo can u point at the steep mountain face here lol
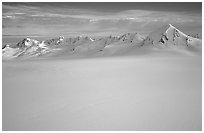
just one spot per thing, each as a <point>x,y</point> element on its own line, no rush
<point>165,37</point>
<point>169,36</point>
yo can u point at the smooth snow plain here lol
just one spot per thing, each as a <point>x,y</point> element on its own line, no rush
<point>123,93</point>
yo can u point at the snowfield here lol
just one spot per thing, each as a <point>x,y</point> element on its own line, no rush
<point>158,91</point>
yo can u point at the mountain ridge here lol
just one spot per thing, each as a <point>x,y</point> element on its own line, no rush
<point>165,37</point>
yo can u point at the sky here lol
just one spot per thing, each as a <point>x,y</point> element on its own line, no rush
<point>100,18</point>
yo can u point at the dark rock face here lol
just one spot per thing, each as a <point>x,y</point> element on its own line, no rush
<point>4,46</point>
<point>164,38</point>
<point>21,44</point>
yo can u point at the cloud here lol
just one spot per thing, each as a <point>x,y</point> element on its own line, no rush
<point>61,19</point>
<point>37,15</point>
<point>8,16</point>
<point>19,13</point>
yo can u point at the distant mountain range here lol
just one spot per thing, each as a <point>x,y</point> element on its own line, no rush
<point>165,37</point>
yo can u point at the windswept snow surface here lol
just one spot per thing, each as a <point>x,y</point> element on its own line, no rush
<point>150,92</point>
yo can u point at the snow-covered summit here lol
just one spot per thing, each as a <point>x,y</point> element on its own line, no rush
<point>27,42</point>
<point>168,36</point>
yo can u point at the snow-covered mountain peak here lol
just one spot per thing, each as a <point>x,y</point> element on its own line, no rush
<point>170,25</point>
<point>168,35</point>
<point>27,42</point>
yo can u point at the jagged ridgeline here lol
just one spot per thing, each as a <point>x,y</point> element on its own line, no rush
<point>74,45</point>
<point>165,37</point>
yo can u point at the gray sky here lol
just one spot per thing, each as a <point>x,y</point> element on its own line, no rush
<point>97,18</point>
